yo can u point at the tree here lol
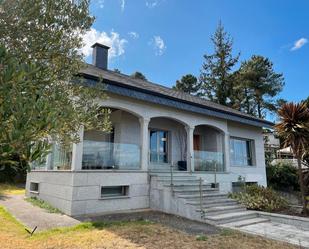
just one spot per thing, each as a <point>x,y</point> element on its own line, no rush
<point>138,75</point>
<point>307,101</point>
<point>189,84</point>
<point>42,98</point>
<point>257,85</point>
<point>293,128</point>
<point>216,70</point>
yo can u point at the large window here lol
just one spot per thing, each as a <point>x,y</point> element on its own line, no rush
<point>241,152</point>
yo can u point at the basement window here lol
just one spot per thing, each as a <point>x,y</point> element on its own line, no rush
<point>34,187</point>
<point>114,191</point>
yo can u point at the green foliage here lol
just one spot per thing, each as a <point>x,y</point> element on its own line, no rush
<point>293,129</point>
<point>138,75</point>
<point>283,177</point>
<point>42,204</point>
<point>250,89</point>
<point>189,84</point>
<point>257,85</point>
<point>201,238</point>
<point>260,198</point>
<point>41,97</point>
<point>215,77</point>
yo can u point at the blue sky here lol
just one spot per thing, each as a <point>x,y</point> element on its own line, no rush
<point>165,39</point>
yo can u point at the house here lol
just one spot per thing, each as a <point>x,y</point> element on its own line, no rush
<point>163,142</point>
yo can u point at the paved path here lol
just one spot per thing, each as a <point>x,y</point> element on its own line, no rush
<point>278,231</point>
<point>32,216</point>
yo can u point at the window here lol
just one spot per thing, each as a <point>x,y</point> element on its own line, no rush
<point>34,187</point>
<point>241,152</point>
<point>114,191</point>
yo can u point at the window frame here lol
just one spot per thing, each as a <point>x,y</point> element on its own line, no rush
<point>158,153</point>
<point>251,157</point>
<point>124,192</point>
<point>37,190</point>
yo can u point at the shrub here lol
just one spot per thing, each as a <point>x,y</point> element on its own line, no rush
<point>260,198</point>
<point>283,177</point>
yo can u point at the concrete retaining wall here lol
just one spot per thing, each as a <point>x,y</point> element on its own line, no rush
<point>79,193</point>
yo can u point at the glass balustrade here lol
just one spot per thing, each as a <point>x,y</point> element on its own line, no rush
<point>108,155</point>
<point>61,158</point>
<point>209,161</point>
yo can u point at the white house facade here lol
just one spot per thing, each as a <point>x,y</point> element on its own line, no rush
<point>156,132</point>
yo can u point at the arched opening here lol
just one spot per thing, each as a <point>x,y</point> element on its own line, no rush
<point>167,144</point>
<point>118,149</point>
<point>208,145</point>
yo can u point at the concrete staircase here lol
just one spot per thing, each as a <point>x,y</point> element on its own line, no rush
<point>183,198</point>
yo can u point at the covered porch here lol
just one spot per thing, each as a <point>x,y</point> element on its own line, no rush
<point>136,143</point>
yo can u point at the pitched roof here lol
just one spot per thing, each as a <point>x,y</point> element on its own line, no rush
<point>142,85</point>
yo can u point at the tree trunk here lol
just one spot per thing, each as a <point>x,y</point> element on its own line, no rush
<point>302,186</point>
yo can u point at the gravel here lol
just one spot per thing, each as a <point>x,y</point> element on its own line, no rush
<point>172,221</point>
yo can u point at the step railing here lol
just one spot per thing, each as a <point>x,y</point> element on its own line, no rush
<point>202,211</point>
<point>172,179</point>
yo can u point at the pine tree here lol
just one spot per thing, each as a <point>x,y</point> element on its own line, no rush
<point>189,84</point>
<point>215,75</point>
<point>258,84</point>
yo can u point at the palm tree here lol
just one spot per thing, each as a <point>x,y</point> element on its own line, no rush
<point>293,128</point>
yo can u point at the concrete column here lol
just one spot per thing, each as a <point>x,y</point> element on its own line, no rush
<point>77,152</point>
<point>144,143</point>
<point>190,149</point>
<point>227,152</point>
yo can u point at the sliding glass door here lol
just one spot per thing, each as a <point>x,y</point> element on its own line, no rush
<point>158,146</point>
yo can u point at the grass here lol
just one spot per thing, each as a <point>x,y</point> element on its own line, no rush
<point>42,204</point>
<point>119,235</point>
<point>10,189</point>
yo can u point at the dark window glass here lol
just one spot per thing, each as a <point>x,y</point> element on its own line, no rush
<point>110,191</point>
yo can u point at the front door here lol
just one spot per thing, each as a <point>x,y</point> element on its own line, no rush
<point>158,146</point>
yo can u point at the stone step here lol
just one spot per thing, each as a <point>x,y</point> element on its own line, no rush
<point>176,180</point>
<point>175,174</point>
<point>204,196</point>
<point>192,190</point>
<point>213,202</point>
<point>222,210</point>
<point>187,185</point>
<point>231,217</point>
<point>246,222</point>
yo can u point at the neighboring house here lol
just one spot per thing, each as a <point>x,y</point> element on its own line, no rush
<point>271,141</point>
<point>154,128</point>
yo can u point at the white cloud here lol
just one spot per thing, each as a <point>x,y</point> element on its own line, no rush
<point>101,4</point>
<point>158,45</point>
<point>152,4</point>
<point>113,40</point>
<point>122,4</point>
<point>299,43</point>
<point>133,35</point>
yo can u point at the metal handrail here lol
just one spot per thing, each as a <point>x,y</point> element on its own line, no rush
<point>215,175</point>
<point>172,179</point>
<point>202,211</point>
